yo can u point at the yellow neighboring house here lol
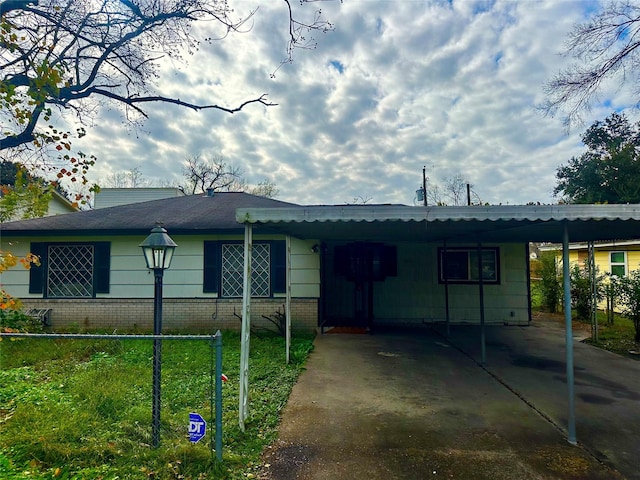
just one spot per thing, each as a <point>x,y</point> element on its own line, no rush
<point>617,258</point>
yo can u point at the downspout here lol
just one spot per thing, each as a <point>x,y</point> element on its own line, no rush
<point>243,410</point>
<point>568,336</point>
<point>288,299</point>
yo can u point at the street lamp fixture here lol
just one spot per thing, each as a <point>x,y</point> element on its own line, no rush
<point>158,250</point>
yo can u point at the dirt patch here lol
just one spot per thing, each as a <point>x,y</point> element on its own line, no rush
<point>581,330</point>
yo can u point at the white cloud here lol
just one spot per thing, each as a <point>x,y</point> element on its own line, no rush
<point>396,86</point>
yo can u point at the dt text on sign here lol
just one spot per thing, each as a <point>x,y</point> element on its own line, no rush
<point>197,427</point>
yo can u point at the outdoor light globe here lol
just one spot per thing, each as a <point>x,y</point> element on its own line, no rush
<point>158,249</point>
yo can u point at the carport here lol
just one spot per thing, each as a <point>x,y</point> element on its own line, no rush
<point>443,225</point>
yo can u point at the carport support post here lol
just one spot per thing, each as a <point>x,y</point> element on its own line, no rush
<point>481,293</point>
<point>218,399</point>
<point>288,299</point>
<point>445,274</point>
<point>569,335</point>
<point>246,327</point>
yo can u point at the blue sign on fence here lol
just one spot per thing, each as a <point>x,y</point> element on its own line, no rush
<point>197,427</point>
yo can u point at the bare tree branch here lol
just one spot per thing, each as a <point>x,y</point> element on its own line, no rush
<point>74,54</point>
<point>606,48</point>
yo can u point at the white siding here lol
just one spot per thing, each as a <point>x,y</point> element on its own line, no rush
<point>130,278</point>
<point>305,269</point>
<point>59,206</point>
<point>111,197</point>
<point>416,296</point>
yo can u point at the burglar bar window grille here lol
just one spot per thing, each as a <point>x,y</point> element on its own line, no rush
<point>232,270</point>
<point>70,271</point>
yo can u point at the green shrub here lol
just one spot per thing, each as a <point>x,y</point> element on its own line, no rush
<point>18,320</point>
<point>550,285</point>
<point>630,299</point>
<point>583,297</point>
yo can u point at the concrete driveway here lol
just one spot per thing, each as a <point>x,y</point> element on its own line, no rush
<point>413,405</point>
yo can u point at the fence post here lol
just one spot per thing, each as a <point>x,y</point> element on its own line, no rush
<point>218,345</point>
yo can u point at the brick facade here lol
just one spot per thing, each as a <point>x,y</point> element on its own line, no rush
<point>178,315</point>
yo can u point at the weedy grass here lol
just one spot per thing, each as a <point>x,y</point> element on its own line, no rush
<point>79,409</point>
<point>617,338</point>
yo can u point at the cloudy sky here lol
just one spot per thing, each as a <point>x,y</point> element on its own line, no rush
<point>398,85</point>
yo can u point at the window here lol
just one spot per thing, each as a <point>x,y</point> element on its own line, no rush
<point>618,263</point>
<point>232,270</point>
<point>70,270</point>
<point>460,265</point>
<point>224,268</point>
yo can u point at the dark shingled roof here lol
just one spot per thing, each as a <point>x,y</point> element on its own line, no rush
<point>190,214</point>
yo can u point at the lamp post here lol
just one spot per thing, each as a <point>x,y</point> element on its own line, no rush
<point>158,250</point>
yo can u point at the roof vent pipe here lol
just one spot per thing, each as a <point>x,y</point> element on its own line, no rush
<point>210,192</point>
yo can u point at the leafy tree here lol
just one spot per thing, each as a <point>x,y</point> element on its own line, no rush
<point>584,298</point>
<point>630,299</point>
<point>546,269</point>
<point>10,306</point>
<point>28,197</point>
<point>606,47</point>
<point>608,172</point>
<point>612,292</point>
<point>8,172</point>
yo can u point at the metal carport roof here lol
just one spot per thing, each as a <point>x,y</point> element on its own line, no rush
<point>495,223</point>
<point>481,224</point>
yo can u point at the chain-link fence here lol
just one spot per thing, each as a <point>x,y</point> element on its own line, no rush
<point>88,398</point>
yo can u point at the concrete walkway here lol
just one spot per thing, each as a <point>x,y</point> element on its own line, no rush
<point>412,405</point>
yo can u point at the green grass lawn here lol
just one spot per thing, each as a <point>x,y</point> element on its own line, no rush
<point>80,409</point>
<point>617,338</point>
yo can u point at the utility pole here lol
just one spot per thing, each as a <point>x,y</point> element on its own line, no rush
<point>424,184</point>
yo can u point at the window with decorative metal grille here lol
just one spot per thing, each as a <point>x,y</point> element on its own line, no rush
<point>70,272</point>
<point>223,272</point>
<point>232,270</point>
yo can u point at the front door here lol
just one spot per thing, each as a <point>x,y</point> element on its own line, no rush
<point>348,282</point>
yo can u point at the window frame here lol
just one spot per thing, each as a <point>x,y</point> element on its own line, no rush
<point>101,268</point>
<point>622,264</point>
<point>256,271</point>
<point>470,265</point>
<point>212,267</point>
